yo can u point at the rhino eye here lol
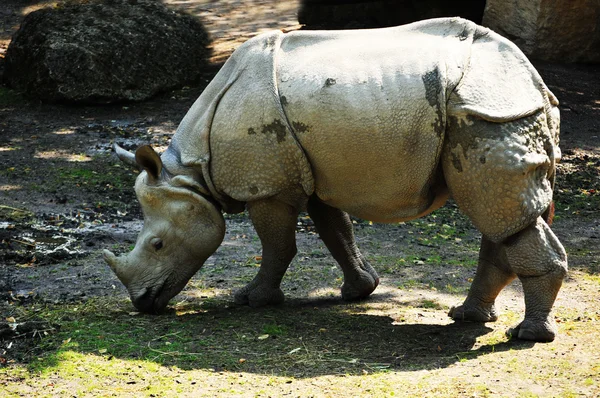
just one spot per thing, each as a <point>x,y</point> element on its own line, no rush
<point>157,244</point>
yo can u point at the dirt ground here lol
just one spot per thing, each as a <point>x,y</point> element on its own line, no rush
<point>64,197</point>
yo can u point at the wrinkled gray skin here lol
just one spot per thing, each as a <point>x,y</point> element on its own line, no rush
<point>382,124</point>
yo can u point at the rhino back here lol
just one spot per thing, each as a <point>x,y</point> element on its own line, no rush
<point>368,108</point>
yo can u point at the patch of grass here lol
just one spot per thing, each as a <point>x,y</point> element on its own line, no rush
<point>578,185</point>
<point>431,304</point>
<point>13,214</point>
<point>470,262</point>
<point>274,330</point>
<point>595,278</point>
<point>86,176</point>
<point>79,174</point>
<point>389,264</point>
<point>117,334</point>
<point>589,382</point>
<point>410,284</point>
<point>588,259</point>
<point>90,176</point>
<point>493,339</point>
<point>454,289</point>
<point>576,203</point>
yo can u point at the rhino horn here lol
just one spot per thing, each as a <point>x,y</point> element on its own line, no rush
<point>126,157</point>
<point>116,264</point>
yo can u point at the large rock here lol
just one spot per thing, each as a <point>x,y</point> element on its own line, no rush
<point>105,51</point>
<point>565,31</point>
<point>344,14</point>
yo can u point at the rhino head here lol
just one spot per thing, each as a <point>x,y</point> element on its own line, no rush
<point>182,228</point>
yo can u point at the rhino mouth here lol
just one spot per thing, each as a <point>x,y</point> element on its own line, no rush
<point>151,300</point>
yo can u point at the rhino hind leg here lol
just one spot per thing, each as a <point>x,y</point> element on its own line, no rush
<point>493,274</point>
<point>537,257</point>
<point>336,231</point>
<point>275,224</point>
<point>540,261</point>
<point>501,176</point>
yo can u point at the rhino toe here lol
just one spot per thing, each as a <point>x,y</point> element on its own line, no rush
<point>360,287</point>
<point>472,313</point>
<point>361,282</point>
<point>542,331</point>
<point>256,295</point>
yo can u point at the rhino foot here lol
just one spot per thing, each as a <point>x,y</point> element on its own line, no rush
<point>255,295</point>
<point>361,283</point>
<point>542,331</point>
<point>474,313</point>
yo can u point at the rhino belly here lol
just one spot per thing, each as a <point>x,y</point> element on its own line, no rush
<point>376,177</point>
<point>376,197</point>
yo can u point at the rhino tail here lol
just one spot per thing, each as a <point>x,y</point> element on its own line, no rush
<point>548,215</point>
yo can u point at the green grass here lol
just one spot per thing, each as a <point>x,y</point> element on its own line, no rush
<point>410,284</point>
<point>578,186</point>
<point>68,177</point>
<point>114,178</point>
<point>207,349</point>
<point>431,304</point>
<point>14,214</point>
<point>274,330</point>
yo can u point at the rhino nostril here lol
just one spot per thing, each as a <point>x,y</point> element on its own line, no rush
<point>144,301</point>
<point>145,294</point>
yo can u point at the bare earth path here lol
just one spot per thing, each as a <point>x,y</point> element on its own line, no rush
<point>68,329</point>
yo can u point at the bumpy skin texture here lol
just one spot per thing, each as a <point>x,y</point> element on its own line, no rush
<point>384,124</point>
<point>499,171</point>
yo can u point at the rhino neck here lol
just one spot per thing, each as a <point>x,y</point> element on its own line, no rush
<point>171,159</point>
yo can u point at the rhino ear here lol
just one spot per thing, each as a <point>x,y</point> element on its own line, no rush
<point>149,160</point>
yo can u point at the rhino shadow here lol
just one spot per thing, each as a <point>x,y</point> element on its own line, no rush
<point>332,338</point>
<point>300,338</point>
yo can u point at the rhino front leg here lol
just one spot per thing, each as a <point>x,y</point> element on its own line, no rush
<point>336,230</point>
<point>539,259</point>
<point>493,274</point>
<point>275,224</point>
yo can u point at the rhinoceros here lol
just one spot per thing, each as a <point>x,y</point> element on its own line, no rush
<point>384,125</point>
